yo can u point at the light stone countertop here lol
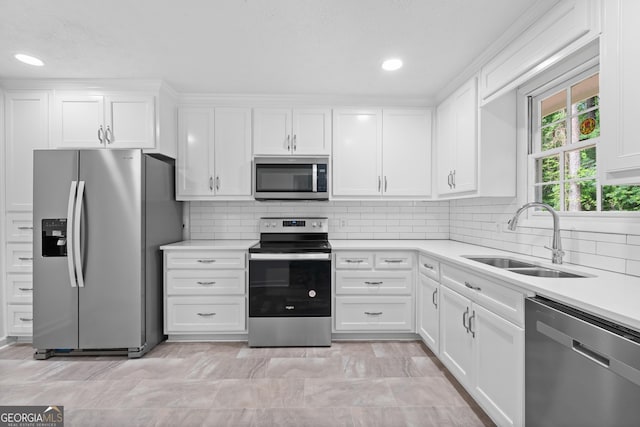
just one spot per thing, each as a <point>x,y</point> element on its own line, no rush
<point>613,296</point>
<point>240,245</point>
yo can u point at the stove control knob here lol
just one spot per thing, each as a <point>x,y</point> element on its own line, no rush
<point>314,224</point>
<point>273,224</point>
<point>267,225</point>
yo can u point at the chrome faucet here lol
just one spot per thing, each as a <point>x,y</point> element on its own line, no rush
<point>556,245</point>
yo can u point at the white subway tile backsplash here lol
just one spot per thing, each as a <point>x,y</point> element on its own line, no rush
<point>474,221</point>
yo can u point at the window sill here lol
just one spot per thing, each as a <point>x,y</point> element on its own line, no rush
<point>602,224</point>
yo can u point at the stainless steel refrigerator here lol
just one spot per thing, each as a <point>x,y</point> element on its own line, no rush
<point>99,219</point>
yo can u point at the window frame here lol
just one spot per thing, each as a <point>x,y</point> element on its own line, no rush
<point>618,222</point>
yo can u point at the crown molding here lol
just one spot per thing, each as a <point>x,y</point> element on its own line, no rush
<point>524,21</point>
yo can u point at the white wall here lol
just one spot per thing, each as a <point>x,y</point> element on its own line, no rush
<point>483,222</point>
<point>347,220</point>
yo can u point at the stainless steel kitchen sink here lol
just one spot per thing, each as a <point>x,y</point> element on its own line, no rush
<point>522,267</point>
<point>501,262</point>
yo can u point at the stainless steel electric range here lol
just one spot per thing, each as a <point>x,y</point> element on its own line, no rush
<point>290,284</point>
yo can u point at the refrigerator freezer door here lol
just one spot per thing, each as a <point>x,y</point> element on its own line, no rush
<point>55,301</point>
<point>111,313</point>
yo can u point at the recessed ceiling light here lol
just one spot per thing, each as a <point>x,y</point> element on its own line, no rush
<point>31,60</point>
<point>392,64</point>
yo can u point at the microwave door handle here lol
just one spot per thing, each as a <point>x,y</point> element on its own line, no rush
<point>314,178</point>
<point>70,252</point>
<point>77,253</point>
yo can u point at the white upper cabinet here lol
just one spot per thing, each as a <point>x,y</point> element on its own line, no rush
<point>27,128</point>
<point>110,121</point>
<point>357,152</point>
<point>475,146</point>
<point>283,131</point>
<point>619,147</point>
<point>406,152</point>
<point>570,25</point>
<point>382,153</point>
<point>214,153</point>
<point>457,140</point>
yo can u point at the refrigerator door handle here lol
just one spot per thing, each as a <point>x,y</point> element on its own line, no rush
<point>70,251</point>
<point>77,255</point>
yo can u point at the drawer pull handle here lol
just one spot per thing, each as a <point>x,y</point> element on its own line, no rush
<point>206,261</point>
<point>433,298</point>
<point>373,313</point>
<point>470,286</point>
<point>206,314</point>
<point>206,283</point>
<point>430,267</point>
<point>25,289</point>
<point>373,283</point>
<point>393,261</point>
<point>353,261</point>
<point>24,227</point>
<point>24,258</point>
<point>26,319</point>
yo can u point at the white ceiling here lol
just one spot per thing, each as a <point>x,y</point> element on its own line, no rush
<point>255,46</point>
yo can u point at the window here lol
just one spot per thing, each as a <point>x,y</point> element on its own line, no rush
<point>565,130</point>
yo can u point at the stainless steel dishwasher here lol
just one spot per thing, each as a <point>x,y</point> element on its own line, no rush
<point>580,370</point>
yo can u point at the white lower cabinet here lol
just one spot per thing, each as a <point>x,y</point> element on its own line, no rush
<point>20,318</point>
<point>374,291</point>
<point>205,291</point>
<point>391,313</point>
<point>429,312</point>
<point>484,351</point>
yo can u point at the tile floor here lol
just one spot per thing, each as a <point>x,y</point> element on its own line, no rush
<point>393,383</point>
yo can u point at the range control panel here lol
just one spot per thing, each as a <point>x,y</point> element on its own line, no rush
<point>294,225</point>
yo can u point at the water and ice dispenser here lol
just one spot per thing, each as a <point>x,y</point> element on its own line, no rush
<point>54,237</point>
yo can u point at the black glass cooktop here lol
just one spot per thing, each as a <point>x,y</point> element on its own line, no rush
<point>288,247</point>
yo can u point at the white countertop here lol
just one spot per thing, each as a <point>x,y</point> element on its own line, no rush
<point>610,295</point>
<point>241,245</point>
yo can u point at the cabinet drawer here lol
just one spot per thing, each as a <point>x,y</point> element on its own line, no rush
<point>19,320</point>
<point>394,260</point>
<point>353,260</point>
<point>19,257</point>
<point>19,288</point>
<point>497,298</point>
<point>205,282</point>
<point>374,313</point>
<point>19,227</point>
<point>205,259</point>
<point>205,314</point>
<point>374,283</point>
<point>429,267</point>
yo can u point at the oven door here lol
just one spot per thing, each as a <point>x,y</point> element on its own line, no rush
<point>290,285</point>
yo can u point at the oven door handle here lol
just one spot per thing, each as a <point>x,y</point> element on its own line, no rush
<point>290,256</point>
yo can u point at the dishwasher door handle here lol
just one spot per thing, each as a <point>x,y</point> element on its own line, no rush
<point>592,355</point>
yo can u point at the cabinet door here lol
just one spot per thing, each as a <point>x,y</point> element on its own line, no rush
<point>456,343</point>
<point>619,151</point>
<point>445,146</point>
<point>428,315</point>
<point>406,152</point>
<point>130,121</point>
<point>79,121</point>
<point>232,152</point>
<point>311,132</point>
<point>27,128</point>
<point>466,139</point>
<point>272,131</point>
<point>357,139</point>
<point>195,153</point>
<point>499,366</point>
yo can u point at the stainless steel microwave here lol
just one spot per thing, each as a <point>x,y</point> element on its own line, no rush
<point>291,178</point>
